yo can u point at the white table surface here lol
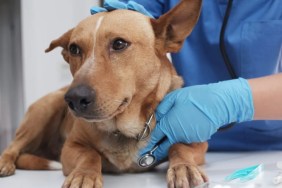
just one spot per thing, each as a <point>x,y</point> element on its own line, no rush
<point>217,167</point>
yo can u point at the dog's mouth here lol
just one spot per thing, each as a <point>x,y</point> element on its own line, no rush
<point>98,114</point>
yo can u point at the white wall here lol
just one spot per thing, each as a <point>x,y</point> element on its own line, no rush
<point>43,21</point>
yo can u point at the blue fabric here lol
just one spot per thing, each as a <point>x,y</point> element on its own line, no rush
<point>254,45</point>
<point>110,5</point>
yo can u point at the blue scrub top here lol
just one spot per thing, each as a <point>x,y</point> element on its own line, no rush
<point>253,41</point>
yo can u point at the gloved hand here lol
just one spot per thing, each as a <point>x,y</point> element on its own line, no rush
<point>110,5</point>
<point>193,114</point>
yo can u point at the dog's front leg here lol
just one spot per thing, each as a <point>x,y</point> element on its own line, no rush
<point>82,165</point>
<point>183,165</point>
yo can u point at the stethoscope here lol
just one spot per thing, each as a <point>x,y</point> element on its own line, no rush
<point>148,159</point>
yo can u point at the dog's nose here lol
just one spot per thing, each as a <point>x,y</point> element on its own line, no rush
<point>80,98</point>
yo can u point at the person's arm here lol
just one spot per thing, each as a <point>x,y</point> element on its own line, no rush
<point>267,97</point>
<point>195,113</point>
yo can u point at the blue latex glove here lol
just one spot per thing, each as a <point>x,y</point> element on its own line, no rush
<point>193,114</point>
<point>110,5</point>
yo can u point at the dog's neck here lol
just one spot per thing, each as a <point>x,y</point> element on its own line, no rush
<point>132,121</point>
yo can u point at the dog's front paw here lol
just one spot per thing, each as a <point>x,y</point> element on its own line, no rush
<point>185,176</point>
<point>7,167</point>
<point>80,179</point>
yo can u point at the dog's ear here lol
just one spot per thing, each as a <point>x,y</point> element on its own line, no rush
<point>63,42</point>
<point>172,28</point>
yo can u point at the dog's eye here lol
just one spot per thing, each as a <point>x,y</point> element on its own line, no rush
<point>119,44</point>
<point>74,49</point>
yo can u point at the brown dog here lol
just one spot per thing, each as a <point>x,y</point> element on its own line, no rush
<point>121,73</point>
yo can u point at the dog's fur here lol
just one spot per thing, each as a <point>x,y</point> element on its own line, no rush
<point>126,87</point>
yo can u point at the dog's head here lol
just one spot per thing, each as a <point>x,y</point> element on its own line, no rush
<point>118,59</point>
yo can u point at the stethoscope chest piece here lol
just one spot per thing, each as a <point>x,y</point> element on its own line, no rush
<point>147,160</point>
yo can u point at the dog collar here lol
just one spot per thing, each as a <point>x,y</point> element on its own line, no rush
<point>110,5</point>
